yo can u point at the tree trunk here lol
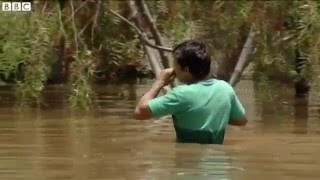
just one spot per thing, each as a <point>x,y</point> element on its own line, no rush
<point>226,68</point>
<point>301,115</point>
<point>154,31</point>
<point>244,59</point>
<point>155,64</point>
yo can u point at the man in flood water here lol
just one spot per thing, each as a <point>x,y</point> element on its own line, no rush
<point>202,107</point>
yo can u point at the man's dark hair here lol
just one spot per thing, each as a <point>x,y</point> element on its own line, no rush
<point>193,55</point>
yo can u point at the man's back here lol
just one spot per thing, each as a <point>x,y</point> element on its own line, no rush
<point>200,111</point>
<point>202,107</point>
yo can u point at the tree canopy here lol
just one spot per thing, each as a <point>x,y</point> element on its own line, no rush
<point>78,42</point>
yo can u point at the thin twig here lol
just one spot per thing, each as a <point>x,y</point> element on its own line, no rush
<point>127,21</point>
<point>76,10</point>
<point>74,29</point>
<point>92,19</point>
<point>62,24</point>
<point>44,7</point>
<point>155,64</point>
<point>95,20</point>
<point>143,36</point>
<point>154,30</point>
<point>85,26</point>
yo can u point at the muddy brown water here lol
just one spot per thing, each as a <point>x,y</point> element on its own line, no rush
<point>281,140</point>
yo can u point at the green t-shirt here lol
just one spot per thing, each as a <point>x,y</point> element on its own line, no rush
<point>200,111</point>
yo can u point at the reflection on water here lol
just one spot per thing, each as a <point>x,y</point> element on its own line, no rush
<point>281,141</point>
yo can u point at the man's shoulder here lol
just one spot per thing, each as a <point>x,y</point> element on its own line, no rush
<point>222,82</point>
<point>225,85</point>
<point>180,88</point>
<point>184,88</point>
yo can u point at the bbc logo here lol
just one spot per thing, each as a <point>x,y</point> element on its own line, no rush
<point>16,6</point>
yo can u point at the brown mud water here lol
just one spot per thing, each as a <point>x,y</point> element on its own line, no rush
<point>281,141</point>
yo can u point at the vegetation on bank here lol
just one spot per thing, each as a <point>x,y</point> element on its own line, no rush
<point>81,42</point>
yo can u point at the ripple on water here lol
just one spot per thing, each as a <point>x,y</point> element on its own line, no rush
<point>280,141</point>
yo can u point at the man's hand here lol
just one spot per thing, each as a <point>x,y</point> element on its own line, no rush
<point>166,77</point>
<point>142,110</point>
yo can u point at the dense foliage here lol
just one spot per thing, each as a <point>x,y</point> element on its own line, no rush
<point>78,42</point>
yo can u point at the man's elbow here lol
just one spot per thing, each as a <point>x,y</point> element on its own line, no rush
<point>243,122</point>
<point>138,115</point>
<point>141,114</point>
<point>239,122</point>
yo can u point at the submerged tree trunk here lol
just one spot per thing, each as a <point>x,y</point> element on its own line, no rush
<point>301,115</point>
<point>61,71</point>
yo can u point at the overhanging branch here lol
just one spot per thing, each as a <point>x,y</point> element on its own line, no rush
<point>141,34</point>
<point>154,30</point>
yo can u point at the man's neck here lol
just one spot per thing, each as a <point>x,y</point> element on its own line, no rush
<point>199,80</point>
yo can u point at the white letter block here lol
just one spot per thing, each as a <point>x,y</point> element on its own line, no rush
<point>26,6</point>
<point>16,6</point>
<point>6,6</point>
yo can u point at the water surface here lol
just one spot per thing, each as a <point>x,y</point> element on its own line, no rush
<point>281,140</point>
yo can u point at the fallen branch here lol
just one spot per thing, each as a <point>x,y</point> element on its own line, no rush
<point>244,59</point>
<point>141,34</point>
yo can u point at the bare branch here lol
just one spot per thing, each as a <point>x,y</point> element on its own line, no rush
<point>282,40</point>
<point>74,29</point>
<point>155,64</point>
<point>62,29</point>
<point>76,10</point>
<point>85,26</point>
<point>126,20</point>
<point>141,34</point>
<point>154,30</point>
<point>44,7</point>
<point>95,20</point>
